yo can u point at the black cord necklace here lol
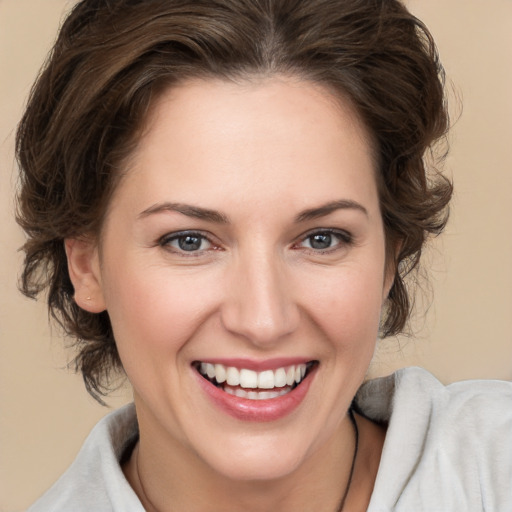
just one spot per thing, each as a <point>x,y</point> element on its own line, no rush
<point>356,446</point>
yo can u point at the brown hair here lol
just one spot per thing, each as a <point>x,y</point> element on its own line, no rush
<point>113,56</point>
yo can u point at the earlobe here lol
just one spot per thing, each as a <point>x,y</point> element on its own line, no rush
<point>84,272</point>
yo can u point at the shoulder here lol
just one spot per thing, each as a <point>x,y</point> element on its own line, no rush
<point>466,419</point>
<point>446,446</point>
<point>471,408</point>
<point>416,391</point>
<point>479,413</point>
<point>95,480</point>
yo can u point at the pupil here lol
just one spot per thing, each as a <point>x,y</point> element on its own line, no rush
<point>322,241</point>
<point>189,243</point>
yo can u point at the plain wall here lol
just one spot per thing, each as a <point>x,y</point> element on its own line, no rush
<point>45,412</point>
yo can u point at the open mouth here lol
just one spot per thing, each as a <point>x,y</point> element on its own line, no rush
<point>253,385</point>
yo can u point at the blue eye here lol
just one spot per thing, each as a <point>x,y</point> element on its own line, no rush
<point>320,241</point>
<point>186,242</point>
<point>325,240</point>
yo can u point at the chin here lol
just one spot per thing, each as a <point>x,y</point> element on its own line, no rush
<point>257,464</point>
<point>262,454</point>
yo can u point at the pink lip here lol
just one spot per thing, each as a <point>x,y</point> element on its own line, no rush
<point>259,366</point>
<point>257,410</point>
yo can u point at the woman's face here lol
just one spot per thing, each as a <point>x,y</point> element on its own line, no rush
<point>245,241</point>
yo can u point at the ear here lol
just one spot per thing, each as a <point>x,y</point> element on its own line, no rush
<point>390,269</point>
<point>84,272</point>
<point>389,279</point>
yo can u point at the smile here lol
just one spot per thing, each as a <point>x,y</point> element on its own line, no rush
<point>253,385</point>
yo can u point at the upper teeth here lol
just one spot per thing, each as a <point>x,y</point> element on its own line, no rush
<point>245,378</point>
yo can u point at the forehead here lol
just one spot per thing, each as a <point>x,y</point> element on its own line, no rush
<point>257,139</point>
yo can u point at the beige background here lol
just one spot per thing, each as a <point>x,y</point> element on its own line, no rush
<point>45,412</point>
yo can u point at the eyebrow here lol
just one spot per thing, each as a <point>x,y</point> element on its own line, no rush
<point>326,209</point>
<point>219,218</point>
<point>190,211</point>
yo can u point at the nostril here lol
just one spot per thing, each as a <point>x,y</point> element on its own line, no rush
<point>260,328</point>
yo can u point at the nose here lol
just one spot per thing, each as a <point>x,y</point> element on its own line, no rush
<point>259,303</point>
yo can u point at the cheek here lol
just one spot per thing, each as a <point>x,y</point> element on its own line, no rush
<point>348,306</point>
<point>154,312</point>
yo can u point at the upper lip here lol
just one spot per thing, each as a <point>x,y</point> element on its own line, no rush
<point>255,364</point>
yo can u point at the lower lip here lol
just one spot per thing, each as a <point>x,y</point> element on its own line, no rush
<point>257,410</point>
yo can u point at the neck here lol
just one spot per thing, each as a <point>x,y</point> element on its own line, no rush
<point>168,477</point>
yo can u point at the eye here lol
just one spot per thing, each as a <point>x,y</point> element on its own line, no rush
<point>326,240</point>
<point>186,242</point>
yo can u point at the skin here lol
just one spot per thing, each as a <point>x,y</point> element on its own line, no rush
<point>260,153</point>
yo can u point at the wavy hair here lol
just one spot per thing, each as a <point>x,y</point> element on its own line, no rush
<point>112,57</point>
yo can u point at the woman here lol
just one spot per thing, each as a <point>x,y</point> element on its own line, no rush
<point>223,199</point>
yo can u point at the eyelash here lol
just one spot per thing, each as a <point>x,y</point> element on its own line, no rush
<point>165,242</point>
<point>344,239</point>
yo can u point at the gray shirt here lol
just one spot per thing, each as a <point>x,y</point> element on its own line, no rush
<point>447,448</point>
